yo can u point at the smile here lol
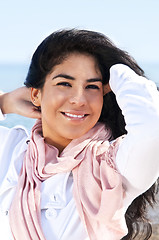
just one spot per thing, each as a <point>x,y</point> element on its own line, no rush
<point>74,116</point>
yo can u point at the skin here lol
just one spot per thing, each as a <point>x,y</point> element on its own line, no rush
<point>71,99</point>
<point>19,102</point>
<point>73,87</point>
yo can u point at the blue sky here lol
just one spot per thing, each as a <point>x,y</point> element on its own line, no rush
<point>132,25</point>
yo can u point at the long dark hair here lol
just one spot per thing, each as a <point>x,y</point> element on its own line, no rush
<point>51,52</point>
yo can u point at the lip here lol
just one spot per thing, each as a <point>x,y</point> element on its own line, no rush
<point>74,115</point>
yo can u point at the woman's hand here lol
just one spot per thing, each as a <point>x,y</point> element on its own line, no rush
<point>19,102</point>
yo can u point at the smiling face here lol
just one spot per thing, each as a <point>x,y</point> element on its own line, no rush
<point>71,99</point>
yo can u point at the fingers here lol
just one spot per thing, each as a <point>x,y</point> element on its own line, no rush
<point>36,113</point>
<point>27,109</point>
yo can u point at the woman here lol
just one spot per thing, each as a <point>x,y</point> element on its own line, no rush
<point>79,172</point>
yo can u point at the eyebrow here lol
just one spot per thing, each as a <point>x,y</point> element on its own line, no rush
<point>72,78</point>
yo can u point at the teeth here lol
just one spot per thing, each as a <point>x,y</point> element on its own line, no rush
<point>73,115</point>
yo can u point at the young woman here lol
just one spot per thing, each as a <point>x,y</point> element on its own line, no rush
<point>87,169</point>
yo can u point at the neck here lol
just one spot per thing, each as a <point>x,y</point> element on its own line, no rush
<point>59,146</point>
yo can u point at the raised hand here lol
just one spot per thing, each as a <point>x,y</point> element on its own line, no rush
<point>19,102</point>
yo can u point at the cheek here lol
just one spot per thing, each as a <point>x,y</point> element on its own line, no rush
<point>52,103</point>
<point>52,97</point>
<point>97,104</point>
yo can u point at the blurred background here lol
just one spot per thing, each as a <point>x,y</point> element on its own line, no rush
<point>132,25</point>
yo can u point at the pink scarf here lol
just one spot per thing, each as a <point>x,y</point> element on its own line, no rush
<point>98,188</point>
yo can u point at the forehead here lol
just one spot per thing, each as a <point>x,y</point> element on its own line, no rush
<point>81,62</point>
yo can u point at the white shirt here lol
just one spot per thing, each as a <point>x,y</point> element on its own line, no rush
<point>137,160</point>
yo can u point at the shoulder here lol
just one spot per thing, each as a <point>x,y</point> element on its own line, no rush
<point>12,135</point>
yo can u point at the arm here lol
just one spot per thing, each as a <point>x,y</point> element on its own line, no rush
<point>13,140</point>
<point>18,101</point>
<point>138,155</point>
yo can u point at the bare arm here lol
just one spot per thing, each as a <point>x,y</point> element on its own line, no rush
<point>19,102</point>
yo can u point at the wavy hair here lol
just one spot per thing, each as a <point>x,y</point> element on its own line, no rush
<point>51,52</point>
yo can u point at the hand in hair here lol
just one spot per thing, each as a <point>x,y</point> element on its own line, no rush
<point>19,102</point>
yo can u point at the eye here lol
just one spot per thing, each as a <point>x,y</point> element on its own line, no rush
<point>66,84</point>
<point>92,86</point>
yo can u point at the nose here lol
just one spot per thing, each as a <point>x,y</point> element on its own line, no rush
<point>78,97</point>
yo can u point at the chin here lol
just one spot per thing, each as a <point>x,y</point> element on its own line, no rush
<point>76,135</point>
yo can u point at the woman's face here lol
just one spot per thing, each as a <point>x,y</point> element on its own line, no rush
<point>71,99</point>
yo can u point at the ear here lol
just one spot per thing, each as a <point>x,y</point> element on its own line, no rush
<point>106,89</point>
<point>36,97</point>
